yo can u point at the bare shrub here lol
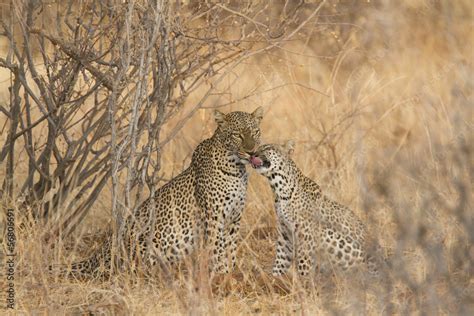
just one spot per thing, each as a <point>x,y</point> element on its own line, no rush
<point>100,79</point>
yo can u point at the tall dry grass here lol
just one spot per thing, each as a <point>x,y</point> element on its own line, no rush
<point>378,97</point>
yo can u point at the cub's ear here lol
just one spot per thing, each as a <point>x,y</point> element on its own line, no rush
<point>219,117</point>
<point>258,113</point>
<point>290,147</point>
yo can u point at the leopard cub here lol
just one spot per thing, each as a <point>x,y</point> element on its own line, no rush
<point>310,225</point>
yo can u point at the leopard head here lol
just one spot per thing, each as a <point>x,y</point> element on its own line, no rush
<point>238,131</point>
<point>271,158</point>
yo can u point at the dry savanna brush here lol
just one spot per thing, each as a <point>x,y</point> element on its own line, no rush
<point>107,106</point>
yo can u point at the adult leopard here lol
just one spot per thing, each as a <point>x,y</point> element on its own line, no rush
<point>205,201</point>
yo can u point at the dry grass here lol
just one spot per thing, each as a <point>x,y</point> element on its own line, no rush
<point>391,136</point>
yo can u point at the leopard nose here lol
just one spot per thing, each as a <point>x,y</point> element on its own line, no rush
<point>248,144</point>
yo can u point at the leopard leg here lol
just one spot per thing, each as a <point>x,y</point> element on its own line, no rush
<point>304,253</point>
<point>232,240</point>
<point>217,243</point>
<point>284,251</point>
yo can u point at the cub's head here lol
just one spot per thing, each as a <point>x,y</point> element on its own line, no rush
<point>272,157</point>
<point>239,131</point>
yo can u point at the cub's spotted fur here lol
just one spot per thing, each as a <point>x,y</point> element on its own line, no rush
<point>311,227</point>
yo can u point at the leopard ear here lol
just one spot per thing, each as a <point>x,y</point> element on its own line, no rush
<point>219,117</point>
<point>290,147</point>
<point>258,113</point>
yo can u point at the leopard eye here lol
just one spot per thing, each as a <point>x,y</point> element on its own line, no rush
<point>237,136</point>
